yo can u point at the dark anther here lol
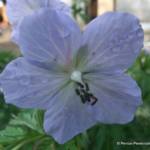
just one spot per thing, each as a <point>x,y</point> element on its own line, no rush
<point>85,95</point>
<point>82,86</point>
<point>77,92</point>
<point>87,87</point>
<point>82,90</point>
<point>93,100</point>
<point>90,94</point>
<point>83,98</point>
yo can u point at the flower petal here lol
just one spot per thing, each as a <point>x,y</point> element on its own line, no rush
<point>114,40</point>
<point>28,86</point>
<point>118,98</point>
<point>17,10</point>
<point>69,118</point>
<point>49,35</point>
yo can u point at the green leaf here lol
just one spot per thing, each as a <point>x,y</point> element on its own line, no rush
<point>24,131</point>
<point>11,134</point>
<point>33,119</point>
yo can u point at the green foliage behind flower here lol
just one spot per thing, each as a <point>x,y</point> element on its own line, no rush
<point>79,9</point>
<point>23,128</point>
<point>5,110</point>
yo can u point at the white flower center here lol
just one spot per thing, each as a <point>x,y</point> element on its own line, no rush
<point>76,76</point>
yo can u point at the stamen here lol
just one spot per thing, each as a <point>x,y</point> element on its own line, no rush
<point>81,85</point>
<point>77,92</point>
<point>84,92</point>
<point>83,99</point>
<point>87,87</point>
<point>93,100</point>
<point>83,89</point>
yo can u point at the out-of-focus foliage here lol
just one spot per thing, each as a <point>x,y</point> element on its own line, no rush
<point>24,130</point>
<point>5,58</point>
<point>141,72</point>
<point>80,9</point>
<point>5,110</point>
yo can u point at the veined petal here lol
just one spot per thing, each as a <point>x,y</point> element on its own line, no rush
<point>28,86</point>
<point>49,35</point>
<point>69,118</point>
<point>59,5</point>
<point>18,9</point>
<point>118,98</point>
<point>114,40</point>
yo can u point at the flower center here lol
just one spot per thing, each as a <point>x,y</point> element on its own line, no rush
<point>82,88</point>
<point>76,76</point>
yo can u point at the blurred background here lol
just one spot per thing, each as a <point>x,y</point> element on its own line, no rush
<point>22,129</point>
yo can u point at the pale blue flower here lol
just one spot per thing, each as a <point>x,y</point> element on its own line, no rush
<point>18,9</point>
<point>78,78</point>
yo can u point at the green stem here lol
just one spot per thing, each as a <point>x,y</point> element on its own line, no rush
<point>39,142</point>
<point>26,141</point>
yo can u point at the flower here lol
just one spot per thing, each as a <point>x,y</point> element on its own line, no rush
<point>78,78</point>
<point>17,10</point>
